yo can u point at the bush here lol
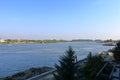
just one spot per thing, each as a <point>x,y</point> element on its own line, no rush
<point>92,67</point>
<point>116,52</point>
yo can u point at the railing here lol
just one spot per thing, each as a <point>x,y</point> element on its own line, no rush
<point>110,76</point>
<point>49,75</point>
<point>98,74</point>
<point>119,70</point>
<point>116,77</point>
<point>40,77</point>
<point>112,72</point>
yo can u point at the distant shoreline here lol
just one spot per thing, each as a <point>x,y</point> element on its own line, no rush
<point>10,41</point>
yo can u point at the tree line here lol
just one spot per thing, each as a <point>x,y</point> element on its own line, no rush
<point>11,41</point>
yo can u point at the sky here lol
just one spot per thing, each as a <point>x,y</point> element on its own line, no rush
<point>60,19</point>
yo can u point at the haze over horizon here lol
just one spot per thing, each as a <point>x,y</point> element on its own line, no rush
<point>60,19</point>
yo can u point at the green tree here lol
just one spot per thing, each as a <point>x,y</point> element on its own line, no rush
<point>92,67</point>
<point>67,69</point>
<point>116,52</point>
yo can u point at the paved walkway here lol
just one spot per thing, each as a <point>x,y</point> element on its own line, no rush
<point>115,74</point>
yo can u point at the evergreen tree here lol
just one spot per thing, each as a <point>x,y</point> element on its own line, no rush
<point>67,69</point>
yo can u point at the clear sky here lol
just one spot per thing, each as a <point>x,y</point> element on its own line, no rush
<point>60,19</point>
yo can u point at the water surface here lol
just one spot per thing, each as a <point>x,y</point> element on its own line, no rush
<point>18,57</point>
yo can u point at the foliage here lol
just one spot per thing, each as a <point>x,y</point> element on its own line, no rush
<point>67,68</point>
<point>92,67</point>
<point>11,41</point>
<point>82,40</point>
<point>108,40</point>
<point>116,52</point>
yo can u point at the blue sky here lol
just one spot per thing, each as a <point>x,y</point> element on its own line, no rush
<point>60,19</point>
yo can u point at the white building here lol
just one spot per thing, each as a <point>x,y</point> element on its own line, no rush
<point>2,41</point>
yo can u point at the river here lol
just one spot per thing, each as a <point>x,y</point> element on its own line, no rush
<point>19,57</point>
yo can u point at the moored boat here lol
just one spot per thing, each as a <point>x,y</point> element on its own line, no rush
<point>109,44</point>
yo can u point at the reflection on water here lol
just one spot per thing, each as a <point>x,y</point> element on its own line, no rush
<point>18,57</point>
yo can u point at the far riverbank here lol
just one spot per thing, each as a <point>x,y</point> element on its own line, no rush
<point>16,41</point>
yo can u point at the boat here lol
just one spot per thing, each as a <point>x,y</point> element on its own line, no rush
<point>108,44</point>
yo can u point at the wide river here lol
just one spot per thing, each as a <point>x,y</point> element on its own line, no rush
<point>19,57</point>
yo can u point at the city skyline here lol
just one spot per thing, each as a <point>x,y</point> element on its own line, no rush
<point>60,19</point>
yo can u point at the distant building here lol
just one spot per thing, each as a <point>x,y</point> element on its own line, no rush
<point>2,41</point>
